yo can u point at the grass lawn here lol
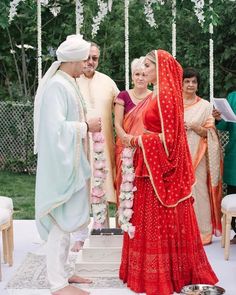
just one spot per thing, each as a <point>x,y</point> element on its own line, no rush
<point>21,188</point>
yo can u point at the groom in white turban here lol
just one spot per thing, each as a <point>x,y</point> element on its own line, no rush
<point>60,126</point>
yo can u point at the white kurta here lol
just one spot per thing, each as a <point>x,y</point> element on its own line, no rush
<point>63,168</point>
<point>99,93</point>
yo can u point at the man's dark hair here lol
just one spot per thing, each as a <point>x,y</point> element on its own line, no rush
<point>191,72</point>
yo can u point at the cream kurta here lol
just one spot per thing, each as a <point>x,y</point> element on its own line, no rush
<point>99,94</point>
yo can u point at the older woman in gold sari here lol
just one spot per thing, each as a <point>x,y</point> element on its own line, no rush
<point>206,157</point>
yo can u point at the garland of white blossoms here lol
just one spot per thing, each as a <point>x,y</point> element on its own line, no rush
<point>13,9</point>
<point>79,12</point>
<point>198,9</point>
<point>102,12</point>
<point>127,190</point>
<point>98,195</point>
<point>211,59</point>
<point>54,9</point>
<point>126,44</point>
<point>148,11</point>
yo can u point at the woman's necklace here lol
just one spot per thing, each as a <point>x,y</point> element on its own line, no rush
<point>137,96</point>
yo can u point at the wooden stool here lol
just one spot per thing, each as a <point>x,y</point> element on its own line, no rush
<point>6,229</point>
<point>228,208</point>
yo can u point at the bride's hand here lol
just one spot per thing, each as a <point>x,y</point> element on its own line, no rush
<point>126,140</point>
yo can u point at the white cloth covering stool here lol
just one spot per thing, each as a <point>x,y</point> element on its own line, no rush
<point>6,227</point>
<point>6,203</point>
<point>228,208</point>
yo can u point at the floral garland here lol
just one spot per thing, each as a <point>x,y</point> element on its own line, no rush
<point>79,15</point>
<point>127,192</point>
<point>55,9</point>
<point>199,12</point>
<point>102,12</point>
<point>126,44</point>
<point>148,11</point>
<point>98,197</point>
<point>13,9</point>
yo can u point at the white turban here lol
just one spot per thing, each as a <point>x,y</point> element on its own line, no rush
<point>73,49</point>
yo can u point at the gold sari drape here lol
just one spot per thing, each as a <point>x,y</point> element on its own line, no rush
<point>207,163</point>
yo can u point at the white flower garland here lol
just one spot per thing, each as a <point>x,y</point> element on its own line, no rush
<point>198,9</point>
<point>98,195</point>
<point>55,9</point>
<point>174,28</point>
<point>211,59</point>
<point>13,9</point>
<point>102,12</point>
<point>44,2</point>
<point>39,39</point>
<point>148,11</point>
<point>126,44</point>
<point>79,12</point>
<point>127,190</point>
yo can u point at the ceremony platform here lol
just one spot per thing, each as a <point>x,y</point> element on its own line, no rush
<point>27,275</point>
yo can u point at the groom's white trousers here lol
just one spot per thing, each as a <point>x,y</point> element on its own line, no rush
<point>58,246</point>
<point>57,252</point>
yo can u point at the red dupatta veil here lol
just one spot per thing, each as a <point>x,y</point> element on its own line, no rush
<point>166,155</point>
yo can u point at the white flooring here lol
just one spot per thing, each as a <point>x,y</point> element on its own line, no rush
<point>27,240</point>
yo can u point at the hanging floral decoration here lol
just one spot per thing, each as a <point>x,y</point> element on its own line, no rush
<point>98,195</point>
<point>79,15</point>
<point>126,44</point>
<point>102,12</point>
<point>148,11</point>
<point>199,10</point>
<point>127,189</point>
<point>13,9</point>
<point>44,2</point>
<point>55,9</point>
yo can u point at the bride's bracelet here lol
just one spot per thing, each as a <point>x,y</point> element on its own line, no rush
<point>133,141</point>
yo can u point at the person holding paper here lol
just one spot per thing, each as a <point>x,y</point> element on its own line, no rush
<point>206,157</point>
<point>229,174</point>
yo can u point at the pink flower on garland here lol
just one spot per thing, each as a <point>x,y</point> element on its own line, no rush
<point>128,162</point>
<point>98,147</point>
<point>127,204</point>
<point>127,189</point>
<point>127,153</point>
<point>128,177</point>
<point>98,192</point>
<point>99,173</point>
<point>98,137</point>
<point>98,196</point>
<point>99,164</point>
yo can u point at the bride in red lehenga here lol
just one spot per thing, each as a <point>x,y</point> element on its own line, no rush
<point>166,252</point>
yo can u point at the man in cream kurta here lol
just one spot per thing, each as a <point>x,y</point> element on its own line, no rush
<point>99,92</point>
<point>61,201</point>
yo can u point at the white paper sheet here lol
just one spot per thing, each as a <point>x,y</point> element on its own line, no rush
<point>222,105</point>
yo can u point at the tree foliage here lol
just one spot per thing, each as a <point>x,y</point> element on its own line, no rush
<point>18,65</point>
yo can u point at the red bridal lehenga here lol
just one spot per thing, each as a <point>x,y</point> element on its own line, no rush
<point>166,252</point>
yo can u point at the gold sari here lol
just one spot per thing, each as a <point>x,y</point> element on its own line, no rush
<point>207,163</point>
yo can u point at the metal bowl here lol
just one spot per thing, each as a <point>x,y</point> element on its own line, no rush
<point>201,289</point>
